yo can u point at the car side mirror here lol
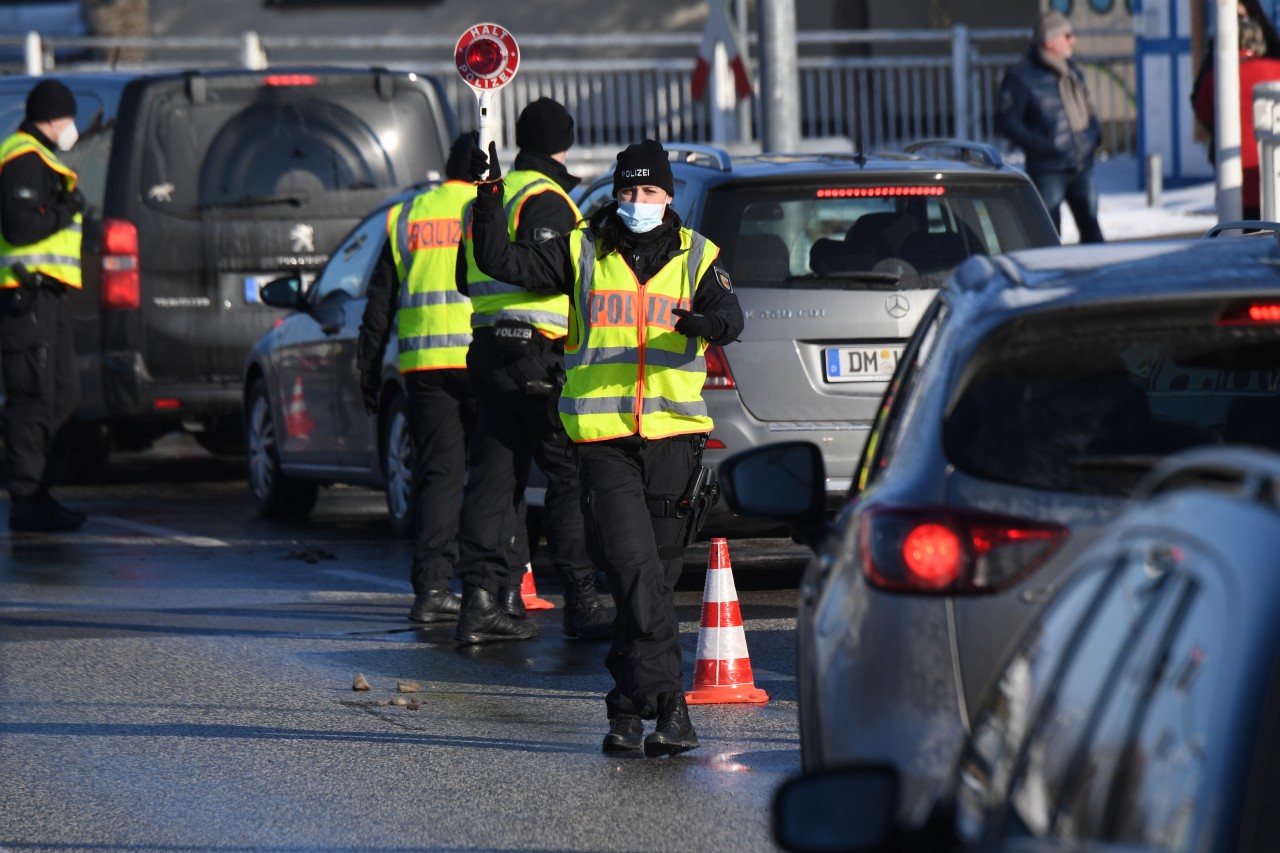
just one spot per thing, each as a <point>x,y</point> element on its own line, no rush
<point>779,482</point>
<point>850,809</point>
<point>286,292</point>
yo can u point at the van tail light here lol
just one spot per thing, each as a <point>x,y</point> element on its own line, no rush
<point>1253,312</point>
<point>718,375</point>
<point>121,288</point>
<point>936,551</point>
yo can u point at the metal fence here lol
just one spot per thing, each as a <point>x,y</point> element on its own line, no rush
<point>875,90</point>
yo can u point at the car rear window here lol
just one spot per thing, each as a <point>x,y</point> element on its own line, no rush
<point>327,148</point>
<point>864,235</point>
<point>1091,401</point>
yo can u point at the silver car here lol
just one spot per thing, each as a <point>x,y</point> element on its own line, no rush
<point>1036,392</point>
<point>834,259</point>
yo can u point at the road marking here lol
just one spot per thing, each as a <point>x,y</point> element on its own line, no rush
<point>162,532</point>
<point>363,577</point>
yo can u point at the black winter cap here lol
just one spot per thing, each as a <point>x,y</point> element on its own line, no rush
<point>643,164</point>
<point>50,100</point>
<point>544,127</point>
<point>456,168</point>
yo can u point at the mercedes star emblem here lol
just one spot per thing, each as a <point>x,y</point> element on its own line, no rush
<point>897,306</point>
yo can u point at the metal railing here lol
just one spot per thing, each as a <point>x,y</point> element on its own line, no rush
<point>853,91</point>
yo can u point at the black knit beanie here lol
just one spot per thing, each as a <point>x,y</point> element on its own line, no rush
<point>643,164</point>
<point>544,127</point>
<point>50,100</point>
<point>456,167</point>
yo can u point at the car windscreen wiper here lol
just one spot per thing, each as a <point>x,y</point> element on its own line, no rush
<point>1120,461</point>
<point>294,199</point>
<point>877,278</point>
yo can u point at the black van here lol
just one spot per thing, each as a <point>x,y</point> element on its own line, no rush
<point>202,186</point>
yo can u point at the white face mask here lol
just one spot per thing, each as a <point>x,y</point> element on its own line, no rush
<point>67,137</point>
<point>640,217</point>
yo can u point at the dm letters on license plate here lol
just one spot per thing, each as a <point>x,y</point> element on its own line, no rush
<point>861,364</point>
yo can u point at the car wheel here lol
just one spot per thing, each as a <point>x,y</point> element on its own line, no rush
<point>221,437</point>
<point>397,466</point>
<point>275,495</point>
<point>80,454</point>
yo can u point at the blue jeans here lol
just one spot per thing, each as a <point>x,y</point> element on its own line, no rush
<point>1080,193</point>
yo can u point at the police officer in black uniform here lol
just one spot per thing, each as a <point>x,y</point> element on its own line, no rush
<point>516,366</point>
<point>40,213</point>
<point>648,297</point>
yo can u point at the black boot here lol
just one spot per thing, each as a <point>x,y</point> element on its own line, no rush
<point>511,601</point>
<point>585,617</point>
<point>675,730</point>
<point>40,513</point>
<point>625,731</point>
<point>482,621</point>
<point>435,605</point>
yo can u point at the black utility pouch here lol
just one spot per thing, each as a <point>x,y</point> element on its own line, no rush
<point>516,338</point>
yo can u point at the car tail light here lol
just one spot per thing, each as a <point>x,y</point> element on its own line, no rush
<point>716,444</point>
<point>121,288</point>
<point>951,552</point>
<point>1264,312</point>
<point>289,80</point>
<point>878,192</point>
<point>718,375</point>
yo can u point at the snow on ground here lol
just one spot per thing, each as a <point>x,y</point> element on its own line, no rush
<point>1124,215</point>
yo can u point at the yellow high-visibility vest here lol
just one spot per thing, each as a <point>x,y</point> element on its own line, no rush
<point>496,300</point>
<point>58,255</point>
<point>433,319</point>
<point>627,369</point>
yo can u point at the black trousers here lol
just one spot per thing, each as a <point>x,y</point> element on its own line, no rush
<point>513,427</point>
<point>42,387</point>
<point>442,413</point>
<point>619,479</point>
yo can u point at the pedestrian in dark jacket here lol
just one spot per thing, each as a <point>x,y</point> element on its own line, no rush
<point>646,298</point>
<point>1045,111</point>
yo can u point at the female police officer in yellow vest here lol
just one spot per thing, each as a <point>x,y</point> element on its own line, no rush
<point>647,297</point>
<point>40,214</point>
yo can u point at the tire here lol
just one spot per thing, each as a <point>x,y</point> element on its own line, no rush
<point>80,454</point>
<point>222,437</point>
<point>274,494</point>
<point>397,466</point>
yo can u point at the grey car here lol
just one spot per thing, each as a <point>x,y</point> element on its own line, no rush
<point>1038,389</point>
<point>834,259</point>
<point>1137,712</point>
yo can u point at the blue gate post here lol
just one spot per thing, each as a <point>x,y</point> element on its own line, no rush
<point>1165,73</point>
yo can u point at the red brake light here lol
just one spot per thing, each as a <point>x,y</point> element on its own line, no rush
<point>1251,314</point>
<point>718,375</point>
<point>121,287</point>
<point>289,80</point>
<point>951,552</point>
<point>716,444</point>
<point>167,404</point>
<point>484,56</point>
<point>932,554</point>
<point>878,192</point>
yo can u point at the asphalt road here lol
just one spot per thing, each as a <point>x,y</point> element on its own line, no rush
<point>178,676</point>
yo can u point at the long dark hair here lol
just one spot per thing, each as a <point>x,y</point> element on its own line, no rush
<point>607,226</point>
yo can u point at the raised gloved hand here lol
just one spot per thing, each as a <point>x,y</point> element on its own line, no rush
<point>369,390</point>
<point>480,165</point>
<point>693,325</point>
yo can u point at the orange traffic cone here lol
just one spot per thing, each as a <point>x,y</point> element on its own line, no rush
<point>529,593</point>
<point>722,672</point>
<point>297,420</point>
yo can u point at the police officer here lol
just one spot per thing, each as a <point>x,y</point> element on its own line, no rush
<point>40,216</point>
<point>647,297</point>
<point>414,285</point>
<point>516,366</point>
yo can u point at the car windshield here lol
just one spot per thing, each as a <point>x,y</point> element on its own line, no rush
<point>864,236</point>
<point>1090,403</point>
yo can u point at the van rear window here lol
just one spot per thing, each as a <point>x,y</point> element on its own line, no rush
<point>277,151</point>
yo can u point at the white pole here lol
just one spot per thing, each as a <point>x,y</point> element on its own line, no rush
<point>484,121</point>
<point>34,54</point>
<point>1226,120</point>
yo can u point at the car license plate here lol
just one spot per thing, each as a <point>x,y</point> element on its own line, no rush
<point>861,364</point>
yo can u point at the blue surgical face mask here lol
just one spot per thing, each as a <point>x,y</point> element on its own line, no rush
<point>639,217</point>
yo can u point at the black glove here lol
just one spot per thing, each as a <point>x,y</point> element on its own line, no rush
<point>72,200</point>
<point>480,165</point>
<point>369,390</point>
<point>693,325</point>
